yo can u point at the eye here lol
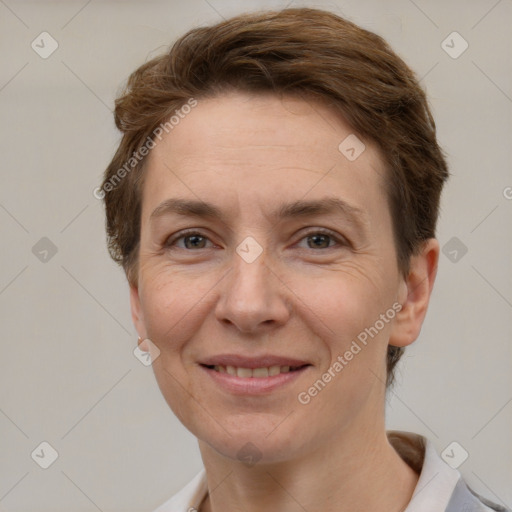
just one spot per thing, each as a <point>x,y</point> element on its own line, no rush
<point>191,240</point>
<point>323,239</point>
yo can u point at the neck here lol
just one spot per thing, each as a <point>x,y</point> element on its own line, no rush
<point>353,472</point>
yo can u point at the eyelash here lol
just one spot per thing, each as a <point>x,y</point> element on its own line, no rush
<point>321,231</point>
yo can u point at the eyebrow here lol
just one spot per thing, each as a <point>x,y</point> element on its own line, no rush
<point>296,209</point>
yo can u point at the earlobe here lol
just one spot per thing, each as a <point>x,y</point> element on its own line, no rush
<point>417,289</point>
<point>138,316</point>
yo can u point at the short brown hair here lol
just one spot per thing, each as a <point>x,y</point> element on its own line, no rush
<point>294,51</point>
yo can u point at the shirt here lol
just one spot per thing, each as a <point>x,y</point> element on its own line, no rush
<point>440,488</point>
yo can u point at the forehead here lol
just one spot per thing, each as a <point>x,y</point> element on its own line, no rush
<point>261,146</point>
<point>233,120</point>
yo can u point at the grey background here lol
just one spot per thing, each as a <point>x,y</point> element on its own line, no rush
<point>67,372</point>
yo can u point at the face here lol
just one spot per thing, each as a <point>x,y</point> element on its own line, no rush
<point>265,253</point>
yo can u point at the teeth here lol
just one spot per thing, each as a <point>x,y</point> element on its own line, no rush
<point>259,372</point>
<point>274,370</point>
<point>243,372</point>
<point>248,372</point>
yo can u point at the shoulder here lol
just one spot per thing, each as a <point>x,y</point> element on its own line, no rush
<point>464,499</point>
<point>440,486</point>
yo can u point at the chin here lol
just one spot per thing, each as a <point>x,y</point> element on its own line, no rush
<point>253,438</point>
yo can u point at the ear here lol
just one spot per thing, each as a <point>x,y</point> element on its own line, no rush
<point>415,294</point>
<point>138,317</point>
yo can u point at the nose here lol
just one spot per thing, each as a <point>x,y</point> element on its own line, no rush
<point>252,297</point>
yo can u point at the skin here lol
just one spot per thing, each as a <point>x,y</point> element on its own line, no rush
<point>303,297</point>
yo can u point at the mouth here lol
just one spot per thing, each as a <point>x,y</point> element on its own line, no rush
<point>245,376</point>
<point>255,373</point>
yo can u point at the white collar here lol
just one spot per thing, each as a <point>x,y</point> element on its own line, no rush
<point>435,485</point>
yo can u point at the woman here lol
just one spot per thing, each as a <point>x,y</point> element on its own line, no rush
<point>273,202</point>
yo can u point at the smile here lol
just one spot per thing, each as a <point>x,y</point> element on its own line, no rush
<point>256,381</point>
<point>257,373</point>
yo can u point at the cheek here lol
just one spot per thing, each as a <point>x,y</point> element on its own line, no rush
<point>344,311</point>
<point>173,313</point>
<point>343,302</point>
<point>345,315</point>
<point>175,305</point>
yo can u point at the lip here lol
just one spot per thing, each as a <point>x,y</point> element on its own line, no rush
<point>252,385</point>
<point>239,361</point>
